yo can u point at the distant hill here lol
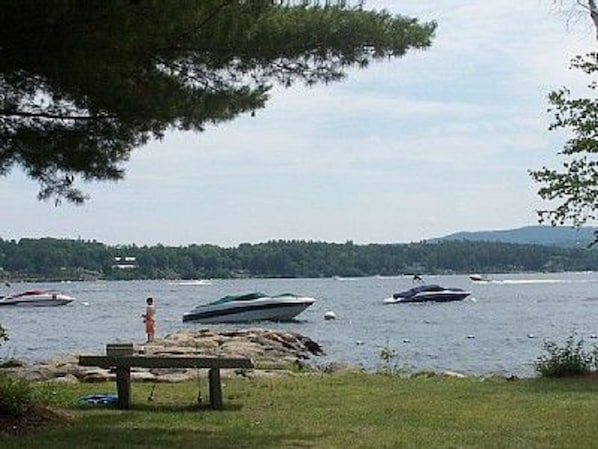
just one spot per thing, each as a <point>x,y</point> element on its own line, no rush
<point>560,236</point>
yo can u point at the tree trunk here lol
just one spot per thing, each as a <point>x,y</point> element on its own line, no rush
<point>594,14</point>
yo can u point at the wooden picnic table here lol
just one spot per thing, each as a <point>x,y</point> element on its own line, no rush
<point>123,362</point>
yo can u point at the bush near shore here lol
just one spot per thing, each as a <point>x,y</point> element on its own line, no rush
<point>350,410</point>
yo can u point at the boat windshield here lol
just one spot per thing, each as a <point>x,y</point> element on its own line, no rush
<point>29,293</point>
<point>419,289</point>
<point>431,288</point>
<point>245,297</point>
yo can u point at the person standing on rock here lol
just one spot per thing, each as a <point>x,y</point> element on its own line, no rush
<point>149,318</point>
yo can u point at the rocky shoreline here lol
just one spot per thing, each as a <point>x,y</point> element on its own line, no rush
<point>273,352</point>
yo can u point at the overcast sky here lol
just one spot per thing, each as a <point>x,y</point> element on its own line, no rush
<point>436,142</point>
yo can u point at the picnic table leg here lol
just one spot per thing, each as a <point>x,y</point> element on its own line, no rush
<point>215,388</point>
<point>123,387</point>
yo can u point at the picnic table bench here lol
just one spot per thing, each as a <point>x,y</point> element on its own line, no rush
<point>121,358</point>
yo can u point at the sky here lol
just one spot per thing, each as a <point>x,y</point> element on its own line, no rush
<point>436,142</point>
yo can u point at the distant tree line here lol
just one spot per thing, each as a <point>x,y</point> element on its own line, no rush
<point>59,259</point>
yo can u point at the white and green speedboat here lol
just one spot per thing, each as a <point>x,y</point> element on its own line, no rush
<point>250,307</point>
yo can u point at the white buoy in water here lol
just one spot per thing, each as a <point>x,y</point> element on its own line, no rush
<point>330,315</point>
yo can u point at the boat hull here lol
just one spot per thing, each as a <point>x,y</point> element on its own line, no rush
<point>36,303</point>
<point>478,278</point>
<point>248,311</point>
<point>438,297</point>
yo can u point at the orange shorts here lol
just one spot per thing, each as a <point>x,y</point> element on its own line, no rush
<point>150,326</point>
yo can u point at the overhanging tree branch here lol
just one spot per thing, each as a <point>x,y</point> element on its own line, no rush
<point>50,116</point>
<point>98,79</point>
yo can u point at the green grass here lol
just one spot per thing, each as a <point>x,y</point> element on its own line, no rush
<point>337,411</point>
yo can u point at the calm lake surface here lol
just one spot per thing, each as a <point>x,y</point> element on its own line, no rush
<point>501,331</point>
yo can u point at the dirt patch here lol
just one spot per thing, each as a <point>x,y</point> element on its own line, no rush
<point>36,417</point>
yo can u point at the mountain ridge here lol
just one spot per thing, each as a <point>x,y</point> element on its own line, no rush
<point>560,236</point>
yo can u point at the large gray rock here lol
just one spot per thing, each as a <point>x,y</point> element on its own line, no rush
<point>261,345</point>
<point>272,352</point>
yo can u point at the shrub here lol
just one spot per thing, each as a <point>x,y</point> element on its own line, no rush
<point>566,361</point>
<point>3,334</point>
<point>16,395</point>
<point>388,355</point>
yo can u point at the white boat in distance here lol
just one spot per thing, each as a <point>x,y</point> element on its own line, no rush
<point>250,307</point>
<point>428,293</point>
<point>478,278</point>
<point>36,298</point>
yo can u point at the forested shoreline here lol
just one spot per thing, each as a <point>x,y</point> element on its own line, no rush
<point>49,259</point>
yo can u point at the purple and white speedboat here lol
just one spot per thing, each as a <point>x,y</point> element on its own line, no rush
<point>427,293</point>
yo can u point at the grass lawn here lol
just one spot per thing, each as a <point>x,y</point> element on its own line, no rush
<point>333,411</point>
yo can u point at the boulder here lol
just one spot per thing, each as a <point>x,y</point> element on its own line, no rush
<point>97,375</point>
<point>68,379</point>
<point>12,363</point>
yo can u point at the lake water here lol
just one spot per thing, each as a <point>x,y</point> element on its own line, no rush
<point>500,331</point>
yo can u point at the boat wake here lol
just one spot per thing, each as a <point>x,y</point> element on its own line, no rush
<point>191,283</point>
<point>543,281</point>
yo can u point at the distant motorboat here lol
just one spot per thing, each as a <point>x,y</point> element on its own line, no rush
<point>36,298</point>
<point>250,307</point>
<point>478,278</point>
<point>428,293</point>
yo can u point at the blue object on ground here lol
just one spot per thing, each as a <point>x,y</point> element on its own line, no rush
<point>101,398</point>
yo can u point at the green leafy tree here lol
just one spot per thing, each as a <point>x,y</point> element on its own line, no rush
<point>82,84</point>
<point>575,186</point>
<point>572,190</point>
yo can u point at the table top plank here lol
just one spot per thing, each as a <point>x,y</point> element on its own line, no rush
<point>149,361</point>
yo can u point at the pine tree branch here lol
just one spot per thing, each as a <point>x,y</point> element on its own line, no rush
<point>54,116</point>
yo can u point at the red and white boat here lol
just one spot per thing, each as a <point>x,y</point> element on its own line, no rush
<point>36,298</point>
